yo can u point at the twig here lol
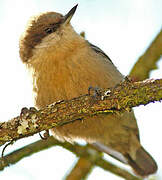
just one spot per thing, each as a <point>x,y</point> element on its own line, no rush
<point>86,152</point>
<point>81,170</point>
<point>148,60</point>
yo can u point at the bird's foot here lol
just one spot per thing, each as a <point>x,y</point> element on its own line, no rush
<point>95,93</point>
<point>45,135</point>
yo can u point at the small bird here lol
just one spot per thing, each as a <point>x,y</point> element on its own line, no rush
<point>63,65</point>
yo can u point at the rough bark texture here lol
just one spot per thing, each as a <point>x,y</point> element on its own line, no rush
<point>123,97</point>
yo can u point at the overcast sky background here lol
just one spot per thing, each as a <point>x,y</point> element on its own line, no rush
<point>122,28</point>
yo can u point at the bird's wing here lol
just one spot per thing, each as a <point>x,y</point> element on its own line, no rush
<point>115,154</point>
<point>99,51</point>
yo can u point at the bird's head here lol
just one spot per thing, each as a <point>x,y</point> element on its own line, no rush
<point>44,30</point>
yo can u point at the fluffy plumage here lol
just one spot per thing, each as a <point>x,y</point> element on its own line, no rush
<point>63,66</point>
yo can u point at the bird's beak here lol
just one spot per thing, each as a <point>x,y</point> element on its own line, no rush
<point>69,15</point>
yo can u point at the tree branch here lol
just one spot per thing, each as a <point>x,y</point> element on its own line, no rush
<point>122,97</point>
<point>86,152</point>
<point>81,170</point>
<point>148,60</point>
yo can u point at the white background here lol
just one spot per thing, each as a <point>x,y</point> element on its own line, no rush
<point>122,28</point>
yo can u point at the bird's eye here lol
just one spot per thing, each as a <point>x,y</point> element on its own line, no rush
<point>48,30</point>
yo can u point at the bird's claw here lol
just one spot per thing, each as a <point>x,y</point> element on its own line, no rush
<point>95,93</point>
<point>45,135</point>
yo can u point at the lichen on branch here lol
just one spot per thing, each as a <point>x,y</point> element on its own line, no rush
<point>120,98</point>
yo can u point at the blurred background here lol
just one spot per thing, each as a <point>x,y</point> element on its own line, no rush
<point>123,29</point>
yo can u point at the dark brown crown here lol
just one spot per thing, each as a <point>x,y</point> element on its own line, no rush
<point>37,28</point>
